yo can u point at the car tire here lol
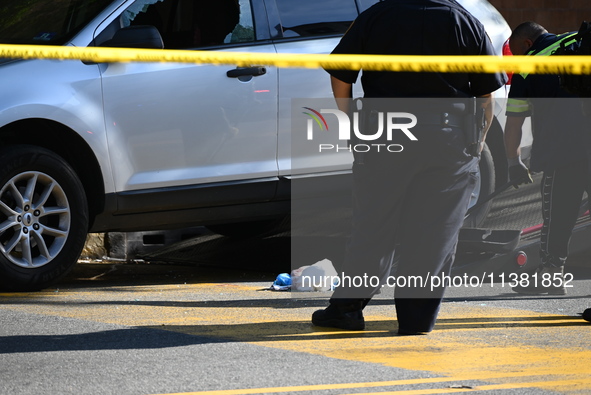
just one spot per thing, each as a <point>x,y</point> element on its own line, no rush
<point>43,217</point>
<point>484,188</point>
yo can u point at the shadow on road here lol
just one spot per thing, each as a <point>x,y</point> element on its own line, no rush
<point>182,335</point>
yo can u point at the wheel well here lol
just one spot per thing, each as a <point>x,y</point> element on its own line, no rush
<point>70,146</point>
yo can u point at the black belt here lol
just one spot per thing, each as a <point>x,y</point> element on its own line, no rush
<point>438,119</point>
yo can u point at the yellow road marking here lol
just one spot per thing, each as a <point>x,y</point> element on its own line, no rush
<point>494,387</point>
<point>450,355</point>
<point>487,344</point>
<point>378,384</point>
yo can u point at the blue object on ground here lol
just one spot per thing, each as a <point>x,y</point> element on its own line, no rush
<point>283,279</point>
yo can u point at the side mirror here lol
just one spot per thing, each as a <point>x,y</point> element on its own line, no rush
<point>141,36</point>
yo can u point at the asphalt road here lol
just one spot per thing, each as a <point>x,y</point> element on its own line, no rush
<point>112,328</point>
<point>198,318</point>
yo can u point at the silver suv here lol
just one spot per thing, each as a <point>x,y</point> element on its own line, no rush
<point>89,147</point>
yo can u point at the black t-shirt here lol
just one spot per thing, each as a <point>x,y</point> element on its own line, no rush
<point>418,27</point>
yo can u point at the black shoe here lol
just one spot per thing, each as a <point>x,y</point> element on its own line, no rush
<point>407,332</point>
<point>547,280</point>
<point>336,316</point>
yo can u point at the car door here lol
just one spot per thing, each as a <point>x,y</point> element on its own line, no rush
<point>297,30</point>
<point>172,125</point>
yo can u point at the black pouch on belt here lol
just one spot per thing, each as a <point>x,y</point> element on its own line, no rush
<point>473,126</point>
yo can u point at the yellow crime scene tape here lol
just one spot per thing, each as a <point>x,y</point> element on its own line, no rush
<point>397,63</point>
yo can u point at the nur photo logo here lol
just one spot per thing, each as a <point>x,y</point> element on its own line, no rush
<point>356,134</point>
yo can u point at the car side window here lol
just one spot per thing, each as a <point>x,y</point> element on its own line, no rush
<point>187,24</point>
<point>41,22</point>
<point>305,18</point>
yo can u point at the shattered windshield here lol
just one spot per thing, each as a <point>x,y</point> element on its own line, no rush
<point>45,22</point>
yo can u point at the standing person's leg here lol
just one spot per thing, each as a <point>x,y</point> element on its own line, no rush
<point>417,198</point>
<point>379,187</point>
<point>562,194</point>
<point>561,210</point>
<point>433,214</point>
